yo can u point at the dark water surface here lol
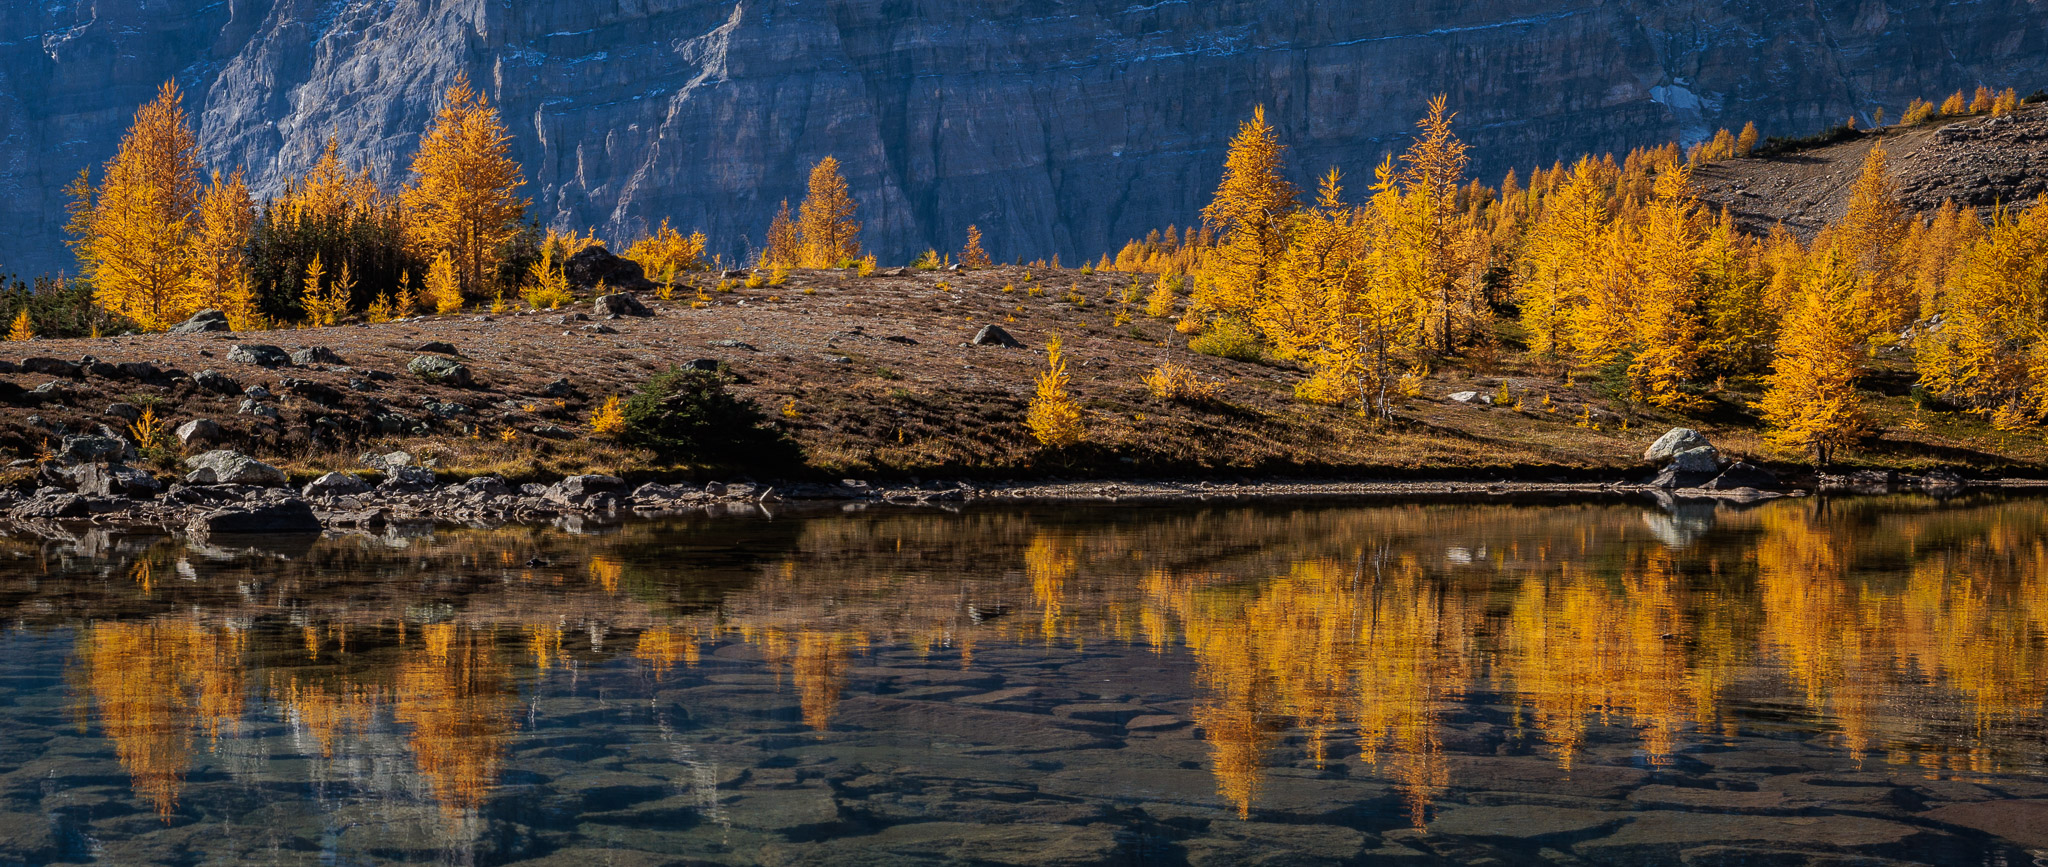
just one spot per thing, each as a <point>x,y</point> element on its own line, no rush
<point>1832,682</point>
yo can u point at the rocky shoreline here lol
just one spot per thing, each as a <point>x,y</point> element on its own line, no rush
<point>90,482</point>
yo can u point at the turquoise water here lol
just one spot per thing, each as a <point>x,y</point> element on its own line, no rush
<point>1810,681</point>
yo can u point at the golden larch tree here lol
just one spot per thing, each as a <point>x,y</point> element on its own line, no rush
<point>21,329</point>
<point>972,256</point>
<point>1248,216</point>
<point>1560,259</point>
<point>1990,353</point>
<point>829,234</point>
<point>220,252</point>
<point>1810,402</point>
<point>463,199</point>
<point>132,234</point>
<point>784,246</point>
<point>1669,330</point>
<point>1053,418</point>
<point>1432,170</point>
<point>1867,241</point>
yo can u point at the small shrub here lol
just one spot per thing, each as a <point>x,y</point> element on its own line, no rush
<point>690,415</point>
<point>927,262</point>
<point>609,419</point>
<point>1178,382</point>
<point>756,280</point>
<point>867,265</point>
<point>1159,304</point>
<point>1230,339</point>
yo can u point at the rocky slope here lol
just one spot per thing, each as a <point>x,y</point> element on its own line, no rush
<point>1058,127</point>
<point>1978,163</point>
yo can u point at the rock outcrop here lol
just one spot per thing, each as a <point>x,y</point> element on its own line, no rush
<point>1056,129</point>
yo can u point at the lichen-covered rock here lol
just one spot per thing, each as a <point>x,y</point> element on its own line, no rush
<point>336,485</point>
<point>228,467</point>
<point>1675,440</point>
<point>440,370</point>
<point>202,322</point>
<point>259,354</point>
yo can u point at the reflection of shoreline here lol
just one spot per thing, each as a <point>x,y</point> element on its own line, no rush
<point>1361,628</point>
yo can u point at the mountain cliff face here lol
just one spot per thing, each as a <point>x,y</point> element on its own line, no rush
<point>1057,126</point>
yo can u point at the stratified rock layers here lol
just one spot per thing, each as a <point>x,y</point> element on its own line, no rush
<point>1057,127</point>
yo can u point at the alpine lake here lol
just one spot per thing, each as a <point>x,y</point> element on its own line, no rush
<point>1820,680</point>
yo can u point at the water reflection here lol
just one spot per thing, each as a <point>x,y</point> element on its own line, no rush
<point>1903,633</point>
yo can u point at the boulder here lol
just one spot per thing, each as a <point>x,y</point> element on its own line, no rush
<point>283,516</point>
<point>438,347</point>
<point>407,480</point>
<point>440,370</point>
<point>198,432</point>
<point>994,335</point>
<point>575,490</point>
<point>316,392</point>
<point>1678,439</point>
<point>93,450</point>
<point>316,355</point>
<point>53,507</point>
<point>216,382</point>
<point>1673,477</point>
<point>1471,397</point>
<point>387,463</point>
<point>96,480</point>
<point>140,370</point>
<point>481,488</point>
<point>1742,474</point>
<point>259,354</point>
<point>620,304</point>
<point>127,412</point>
<point>228,467</point>
<point>203,321</point>
<point>337,485</point>
<point>52,367</point>
<point>595,264</point>
<point>1705,459</point>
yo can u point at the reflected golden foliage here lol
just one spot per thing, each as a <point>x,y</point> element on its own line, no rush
<point>154,685</point>
<point>456,696</point>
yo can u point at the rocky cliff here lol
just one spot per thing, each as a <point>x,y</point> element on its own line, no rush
<point>1056,125</point>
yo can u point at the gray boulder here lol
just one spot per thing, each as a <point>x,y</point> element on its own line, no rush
<point>124,411</point>
<point>203,321</point>
<point>437,346</point>
<point>994,335</point>
<point>94,449</point>
<point>116,480</point>
<point>620,304</point>
<point>386,463</point>
<point>337,485</point>
<point>440,370</point>
<point>259,354</point>
<point>1678,439</point>
<point>199,432</point>
<point>216,382</point>
<point>316,355</point>
<point>1705,459</point>
<point>228,467</point>
<point>575,490</point>
<point>595,264</point>
<point>407,480</point>
<point>481,488</point>
<point>52,367</point>
<point>54,507</point>
<point>283,516</point>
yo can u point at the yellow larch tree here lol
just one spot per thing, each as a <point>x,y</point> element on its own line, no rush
<point>783,245</point>
<point>463,200</point>
<point>1810,402</point>
<point>444,288</point>
<point>1867,241</point>
<point>1248,216</point>
<point>1669,327</point>
<point>667,253</point>
<point>220,252</point>
<point>1741,324</point>
<point>1990,351</point>
<point>132,234</point>
<point>1295,313</point>
<point>21,330</point>
<point>1746,142</point>
<point>972,256</point>
<point>1560,259</point>
<point>1432,170</point>
<point>828,234</point>
<point>1954,105</point>
<point>1053,418</point>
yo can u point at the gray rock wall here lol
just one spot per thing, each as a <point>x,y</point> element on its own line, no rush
<point>1056,126</point>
